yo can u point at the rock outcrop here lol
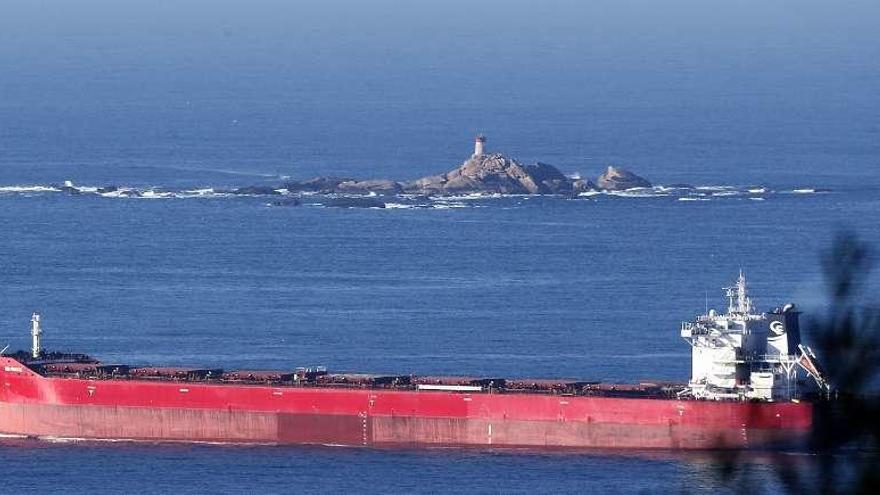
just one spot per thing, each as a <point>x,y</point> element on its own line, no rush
<point>341,185</point>
<point>480,174</point>
<point>322,185</point>
<point>495,173</point>
<point>378,186</point>
<point>286,202</point>
<point>582,185</point>
<point>67,188</point>
<point>619,179</point>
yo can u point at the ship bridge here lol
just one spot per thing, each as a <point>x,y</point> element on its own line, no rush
<point>746,355</point>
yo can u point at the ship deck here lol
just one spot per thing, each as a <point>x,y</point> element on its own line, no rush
<point>81,366</point>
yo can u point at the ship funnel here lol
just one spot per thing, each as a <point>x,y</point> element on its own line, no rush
<point>36,333</point>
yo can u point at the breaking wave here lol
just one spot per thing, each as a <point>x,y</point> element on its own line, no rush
<point>401,206</point>
<point>27,189</point>
<point>701,193</point>
<point>437,205</point>
<point>400,202</point>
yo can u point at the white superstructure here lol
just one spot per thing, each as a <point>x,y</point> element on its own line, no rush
<point>747,355</point>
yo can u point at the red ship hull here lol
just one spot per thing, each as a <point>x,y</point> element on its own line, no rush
<point>39,406</point>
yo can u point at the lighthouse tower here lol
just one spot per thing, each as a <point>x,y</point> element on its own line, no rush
<point>478,145</point>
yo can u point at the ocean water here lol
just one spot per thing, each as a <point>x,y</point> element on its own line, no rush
<point>770,110</point>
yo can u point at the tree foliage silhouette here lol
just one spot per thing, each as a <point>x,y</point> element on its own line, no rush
<point>845,438</point>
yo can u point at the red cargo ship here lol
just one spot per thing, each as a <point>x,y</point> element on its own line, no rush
<point>74,396</point>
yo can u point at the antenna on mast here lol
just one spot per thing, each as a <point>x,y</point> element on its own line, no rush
<point>707,303</point>
<point>738,297</point>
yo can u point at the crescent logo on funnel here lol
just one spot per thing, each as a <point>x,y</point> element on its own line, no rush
<point>777,327</point>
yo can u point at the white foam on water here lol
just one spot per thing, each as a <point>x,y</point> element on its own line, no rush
<point>714,188</point>
<point>476,196</point>
<point>119,193</point>
<point>27,189</point>
<point>698,193</point>
<point>637,193</point>
<point>200,192</point>
<point>151,194</point>
<point>210,192</point>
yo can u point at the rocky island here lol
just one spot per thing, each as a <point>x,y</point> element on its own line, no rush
<point>482,173</point>
<point>620,179</point>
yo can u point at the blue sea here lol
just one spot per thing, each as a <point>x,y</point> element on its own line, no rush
<point>769,109</point>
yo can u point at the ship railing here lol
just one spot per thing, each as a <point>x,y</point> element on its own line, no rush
<point>689,328</point>
<point>582,389</point>
<point>771,358</point>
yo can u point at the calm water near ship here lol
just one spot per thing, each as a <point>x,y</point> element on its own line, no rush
<point>773,114</point>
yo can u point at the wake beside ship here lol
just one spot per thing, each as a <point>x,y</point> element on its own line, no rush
<point>751,386</point>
